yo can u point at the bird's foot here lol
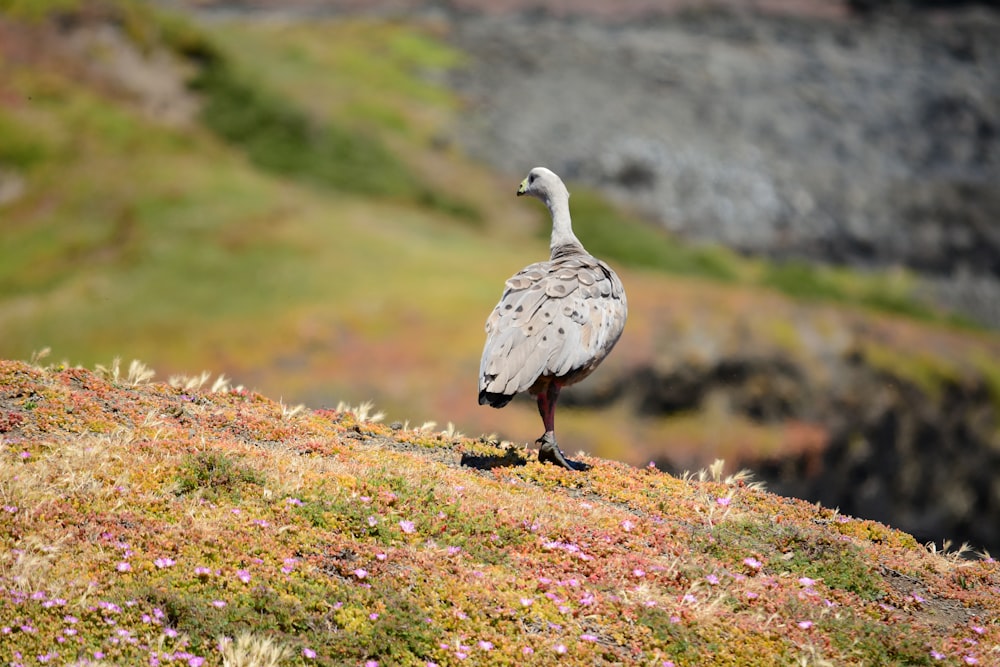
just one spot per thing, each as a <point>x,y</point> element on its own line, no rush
<point>549,452</point>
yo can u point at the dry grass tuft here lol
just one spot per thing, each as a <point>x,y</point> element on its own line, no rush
<point>362,412</point>
<point>249,650</point>
<point>138,372</point>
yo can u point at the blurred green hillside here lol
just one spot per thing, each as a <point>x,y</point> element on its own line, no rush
<point>280,202</point>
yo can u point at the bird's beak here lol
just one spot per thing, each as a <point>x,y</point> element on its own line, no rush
<point>522,188</point>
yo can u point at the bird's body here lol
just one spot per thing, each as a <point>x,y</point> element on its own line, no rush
<point>556,321</point>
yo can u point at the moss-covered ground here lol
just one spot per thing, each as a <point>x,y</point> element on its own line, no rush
<point>186,523</point>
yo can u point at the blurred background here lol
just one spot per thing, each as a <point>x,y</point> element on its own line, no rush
<point>316,198</point>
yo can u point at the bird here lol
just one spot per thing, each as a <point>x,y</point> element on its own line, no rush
<point>555,323</point>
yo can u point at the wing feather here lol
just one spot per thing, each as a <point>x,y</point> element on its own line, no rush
<point>558,318</point>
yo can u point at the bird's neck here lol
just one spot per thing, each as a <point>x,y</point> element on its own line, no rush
<point>562,225</point>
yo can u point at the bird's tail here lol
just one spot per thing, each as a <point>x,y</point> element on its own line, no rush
<point>495,400</point>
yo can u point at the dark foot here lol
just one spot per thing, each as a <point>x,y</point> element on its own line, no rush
<point>549,452</point>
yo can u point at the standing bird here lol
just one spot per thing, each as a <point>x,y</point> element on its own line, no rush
<point>555,322</point>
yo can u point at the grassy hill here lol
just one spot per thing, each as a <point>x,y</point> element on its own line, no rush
<point>201,524</point>
<point>283,202</point>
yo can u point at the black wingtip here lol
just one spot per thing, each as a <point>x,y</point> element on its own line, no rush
<point>495,400</point>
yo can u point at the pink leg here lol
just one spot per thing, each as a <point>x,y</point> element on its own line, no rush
<point>548,449</point>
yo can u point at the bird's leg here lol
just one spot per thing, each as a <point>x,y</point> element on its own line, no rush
<point>548,449</point>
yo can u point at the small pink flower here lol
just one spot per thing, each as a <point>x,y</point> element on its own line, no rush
<point>485,645</point>
<point>218,604</point>
<point>560,648</point>
<point>196,661</point>
<point>372,522</point>
<point>971,660</point>
<point>978,629</point>
<point>380,556</point>
<point>373,616</point>
<point>627,525</point>
<point>453,550</point>
<point>752,596</point>
<point>123,566</point>
<point>689,598</point>
<point>308,653</point>
<point>527,602</point>
<point>638,572</point>
<point>750,561</point>
<point>243,575</point>
<point>360,573</point>
<point>202,571</point>
<point>588,638</point>
<point>807,582</point>
<point>937,655</point>
<point>407,527</point>
<point>164,562</point>
<point>371,663</point>
<point>527,650</point>
<point>712,579</point>
<point>805,625</point>
<point>724,502</point>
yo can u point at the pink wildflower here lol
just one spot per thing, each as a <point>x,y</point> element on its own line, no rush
<point>807,582</point>
<point>485,645</point>
<point>750,561</point>
<point>308,653</point>
<point>407,527</point>
<point>372,522</point>
<point>724,502</point>
<point>360,573</point>
<point>805,625</point>
<point>164,562</point>
<point>123,566</point>
<point>638,572</point>
<point>243,575</point>
<point>527,602</point>
<point>218,604</point>
<point>527,650</point>
<point>560,648</point>
<point>627,525</point>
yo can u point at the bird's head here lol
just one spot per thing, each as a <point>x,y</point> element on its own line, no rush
<point>543,184</point>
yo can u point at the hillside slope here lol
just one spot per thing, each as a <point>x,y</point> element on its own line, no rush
<point>145,523</point>
<point>283,202</point>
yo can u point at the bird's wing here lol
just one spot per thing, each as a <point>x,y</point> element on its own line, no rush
<point>555,318</point>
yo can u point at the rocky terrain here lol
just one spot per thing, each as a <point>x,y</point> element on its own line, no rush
<point>869,143</point>
<point>787,128</point>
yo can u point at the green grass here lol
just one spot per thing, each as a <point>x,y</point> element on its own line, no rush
<point>625,239</point>
<point>280,138</point>
<point>216,476</point>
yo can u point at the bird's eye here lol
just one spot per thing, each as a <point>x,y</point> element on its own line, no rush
<point>531,178</point>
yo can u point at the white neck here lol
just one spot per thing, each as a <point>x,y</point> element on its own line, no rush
<point>562,225</point>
